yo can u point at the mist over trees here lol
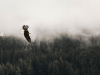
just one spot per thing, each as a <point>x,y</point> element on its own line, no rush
<point>64,56</point>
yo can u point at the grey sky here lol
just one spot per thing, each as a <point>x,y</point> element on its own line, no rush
<point>71,16</point>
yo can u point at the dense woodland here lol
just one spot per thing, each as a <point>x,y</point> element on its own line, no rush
<point>64,56</point>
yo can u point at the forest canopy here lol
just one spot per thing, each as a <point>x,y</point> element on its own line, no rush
<point>64,56</point>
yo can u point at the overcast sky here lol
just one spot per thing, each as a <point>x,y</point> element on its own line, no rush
<point>50,16</point>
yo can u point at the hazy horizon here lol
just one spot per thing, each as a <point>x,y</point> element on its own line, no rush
<point>50,18</point>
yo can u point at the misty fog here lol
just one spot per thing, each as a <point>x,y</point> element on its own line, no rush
<point>50,18</point>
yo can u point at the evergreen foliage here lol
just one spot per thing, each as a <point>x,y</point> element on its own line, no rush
<point>64,56</point>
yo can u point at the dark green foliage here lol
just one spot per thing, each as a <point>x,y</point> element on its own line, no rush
<point>64,56</point>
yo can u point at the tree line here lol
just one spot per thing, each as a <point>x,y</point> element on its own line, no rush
<point>64,56</point>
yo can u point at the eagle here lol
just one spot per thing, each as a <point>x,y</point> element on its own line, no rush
<point>26,33</point>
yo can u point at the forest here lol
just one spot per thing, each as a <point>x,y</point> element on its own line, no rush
<point>63,56</point>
